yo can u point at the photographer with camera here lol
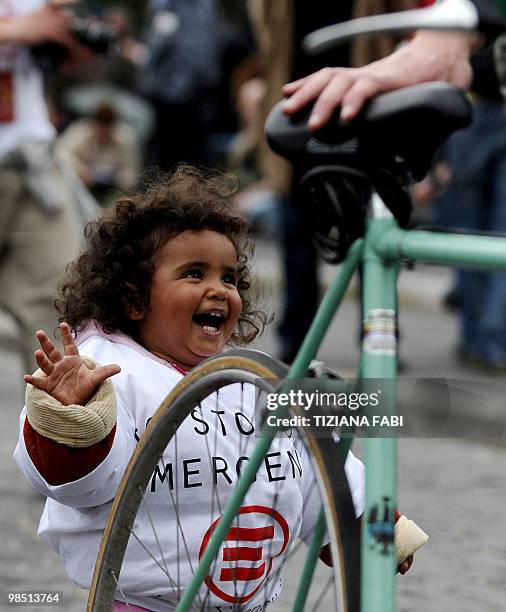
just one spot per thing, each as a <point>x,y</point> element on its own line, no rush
<point>40,226</point>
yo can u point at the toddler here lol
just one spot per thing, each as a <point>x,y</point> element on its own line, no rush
<point>163,283</point>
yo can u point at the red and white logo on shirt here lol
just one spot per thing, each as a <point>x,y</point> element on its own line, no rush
<point>247,553</point>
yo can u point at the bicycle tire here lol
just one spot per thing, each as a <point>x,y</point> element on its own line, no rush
<point>342,527</point>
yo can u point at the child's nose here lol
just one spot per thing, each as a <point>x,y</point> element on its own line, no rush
<point>216,290</point>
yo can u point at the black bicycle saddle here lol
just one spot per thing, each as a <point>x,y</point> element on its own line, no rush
<point>398,131</point>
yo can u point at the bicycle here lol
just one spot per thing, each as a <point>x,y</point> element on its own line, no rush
<point>347,169</point>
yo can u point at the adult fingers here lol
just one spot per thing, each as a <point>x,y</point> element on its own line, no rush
<point>65,39</point>
<point>330,99</point>
<point>308,91</point>
<point>290,88</point>
<point>57,25</point>
<point>59,32</point>
<point>69,345</point>
<point>364,88</point>
<point>48,347</point>
<point>104,372</point>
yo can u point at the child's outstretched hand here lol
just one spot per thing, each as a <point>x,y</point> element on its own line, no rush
<point>67,378</point>
<point>405,565</point>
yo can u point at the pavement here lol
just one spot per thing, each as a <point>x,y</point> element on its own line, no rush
<point>454,488</point>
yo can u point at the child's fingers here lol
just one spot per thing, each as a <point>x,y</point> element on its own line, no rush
<point>104,372</point>
<point>69,345</point>
<point>48,347</point>
<point>43,362</point>
<point>405,565</point>
<point>36,381</point>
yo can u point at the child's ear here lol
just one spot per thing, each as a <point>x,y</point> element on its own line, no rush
<point>131,311</point>
<point>134,314</point>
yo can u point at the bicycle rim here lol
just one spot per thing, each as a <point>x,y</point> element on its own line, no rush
<point>203,383</point>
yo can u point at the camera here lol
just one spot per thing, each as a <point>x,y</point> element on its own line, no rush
<point>94,34</point>
<point>91,33</point>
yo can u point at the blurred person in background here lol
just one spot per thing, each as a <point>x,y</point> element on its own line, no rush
<point>122,66</point>
<point>116,64</point>
<point>280,27</point>
<point>474,164</point>
<point>180,77</point>
<point>257,200</point>
<point>475,200</point>
<point>105,152</point>
<point>40,226</point>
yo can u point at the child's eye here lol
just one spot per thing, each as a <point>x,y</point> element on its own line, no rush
<point>193,273</point>
<point>230,279</point>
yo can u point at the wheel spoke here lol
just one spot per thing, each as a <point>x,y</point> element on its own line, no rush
<point>149,553</point>
<point>324,591</point>
<point>155,534</point>
<point>113,574</point>
<point>179,529</point>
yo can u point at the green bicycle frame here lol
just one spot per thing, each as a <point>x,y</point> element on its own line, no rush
<point>379,253</point>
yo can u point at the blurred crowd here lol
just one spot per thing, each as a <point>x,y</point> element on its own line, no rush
<point>133,87</point>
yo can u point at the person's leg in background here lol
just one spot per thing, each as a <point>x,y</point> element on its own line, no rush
<point>492,325</point>
<point>301,290</point>
<point>471,282</point>
<point>479,189</point>
<point>35,247</point>
<point>467,155</point>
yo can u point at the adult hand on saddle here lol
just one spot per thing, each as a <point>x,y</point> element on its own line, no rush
<point>429,56</point>
<point>67,378</point>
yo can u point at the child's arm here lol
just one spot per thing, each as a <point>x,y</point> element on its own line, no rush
<point>67,444</point>
<point>408,539</point>
<point>60,464</point>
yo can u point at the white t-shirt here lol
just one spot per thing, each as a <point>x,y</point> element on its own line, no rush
<point>31,121</point>
<point>282,505</point>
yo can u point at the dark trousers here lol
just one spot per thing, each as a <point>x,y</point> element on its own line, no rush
<point>301,291</point>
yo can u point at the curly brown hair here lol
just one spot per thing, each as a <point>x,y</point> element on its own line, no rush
<point>112,276</point>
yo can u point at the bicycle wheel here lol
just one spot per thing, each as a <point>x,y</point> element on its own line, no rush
<point>241,575</point>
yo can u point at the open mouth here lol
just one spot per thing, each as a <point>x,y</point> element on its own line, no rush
<point>210,321</point>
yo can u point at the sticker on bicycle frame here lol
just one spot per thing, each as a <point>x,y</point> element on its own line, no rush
<point>247,553</point>
<point>380,526</point>
<point>380,332</point>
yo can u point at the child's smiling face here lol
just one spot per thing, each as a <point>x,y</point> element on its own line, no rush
<point>194,301</point>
